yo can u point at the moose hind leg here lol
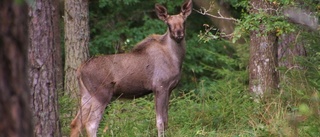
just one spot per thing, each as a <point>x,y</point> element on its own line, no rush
<point>89,115</point>
<point>80,120</point>
<point>95,115</point>
<point>76,126</point>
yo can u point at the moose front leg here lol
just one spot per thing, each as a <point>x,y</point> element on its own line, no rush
<point>162,102</point>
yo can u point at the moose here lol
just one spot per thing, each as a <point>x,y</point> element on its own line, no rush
<point>153,65</point>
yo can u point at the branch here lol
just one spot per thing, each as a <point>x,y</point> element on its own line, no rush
<point>204,11</point>
<point>214,36</point>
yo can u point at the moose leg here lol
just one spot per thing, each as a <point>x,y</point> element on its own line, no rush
<point>90,112</point>
<point>95,115</point>
<point>162,101</point>
<point>89,115</point>
<point>80,120</point>
<point>76,126</point>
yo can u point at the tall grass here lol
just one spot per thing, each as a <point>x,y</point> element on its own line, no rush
<point>220,108</point>
<point>223,108</point>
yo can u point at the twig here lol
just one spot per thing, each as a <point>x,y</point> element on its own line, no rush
<point>204,11</point>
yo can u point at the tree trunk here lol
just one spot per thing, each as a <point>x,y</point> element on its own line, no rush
<point>15,114</point>
<point>263,76</point>
<point>43,50</point>
<point>289,48</point>
<point>76,18</point>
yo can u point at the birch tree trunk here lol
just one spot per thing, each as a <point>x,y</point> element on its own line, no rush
<point>263,76</point>
<point>76,18</point>
<point>44,47</point>
<point>15,114</point>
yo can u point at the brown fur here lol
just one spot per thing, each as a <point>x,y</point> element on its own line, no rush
<point>153,65</point>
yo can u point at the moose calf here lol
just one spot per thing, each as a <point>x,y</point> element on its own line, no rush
<point>153,65</point>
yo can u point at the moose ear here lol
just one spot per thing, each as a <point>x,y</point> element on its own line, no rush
<point>161,12</point>
<point>186,8</point>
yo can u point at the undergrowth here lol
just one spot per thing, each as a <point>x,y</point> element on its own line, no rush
<point>221,108</point>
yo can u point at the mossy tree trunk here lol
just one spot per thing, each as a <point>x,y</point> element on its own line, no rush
<point>44,48</point>
<point>263,76</point>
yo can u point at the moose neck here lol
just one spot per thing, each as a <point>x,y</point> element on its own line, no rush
<point>175,49</point>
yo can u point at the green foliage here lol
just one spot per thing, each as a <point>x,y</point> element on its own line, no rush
<point>129,118</point>
<point>278,24</point>
<point>202,112</point>
<point>212,98</point>
<point>204,59</point>
<point>67,111</point>
<point>266,23</point>
<point>104,3</point>
<point>271,24</point>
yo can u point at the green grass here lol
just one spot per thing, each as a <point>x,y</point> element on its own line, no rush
<point>221,108</point>
<point>225,112</point>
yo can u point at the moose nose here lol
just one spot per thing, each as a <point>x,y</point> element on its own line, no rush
<point>178,35</point>
<point>179,38</point>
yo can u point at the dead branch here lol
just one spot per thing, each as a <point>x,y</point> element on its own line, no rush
<point>204,11</point>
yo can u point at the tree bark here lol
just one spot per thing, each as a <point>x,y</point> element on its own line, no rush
<point>263,76</point>
<point>44,46</point>
<point>289,48</point>
<point>15,114</point>
<point>76,18</point>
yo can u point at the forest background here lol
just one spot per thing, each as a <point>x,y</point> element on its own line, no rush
<point>217,95</point>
